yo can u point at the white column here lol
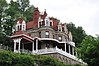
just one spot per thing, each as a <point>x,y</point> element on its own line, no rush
<point>14,46</point>
<point>36,44</point>
<point>69,48</point>
<point>76,54</point>
<point>22,47</point>
<point>33,47</point>
<point>73,50</point>
<point>56,47</point>
<point>65,47</point>
<point>38,23</point>
<point>19,45</point>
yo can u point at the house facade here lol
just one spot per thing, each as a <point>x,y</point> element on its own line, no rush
<point>45,35</point>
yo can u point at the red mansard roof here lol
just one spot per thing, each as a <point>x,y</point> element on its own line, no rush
<point>29,25</point>
<point>55,24</point>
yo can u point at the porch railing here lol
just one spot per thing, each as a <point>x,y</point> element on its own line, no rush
<point>60,51</point>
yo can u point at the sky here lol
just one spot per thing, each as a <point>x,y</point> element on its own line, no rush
<point>83,13</point>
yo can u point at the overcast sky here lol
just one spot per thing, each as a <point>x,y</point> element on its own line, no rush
<point>83,13</point>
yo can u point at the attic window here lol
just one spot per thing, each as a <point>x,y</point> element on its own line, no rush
<point>40,24</point>
<point>50,23</point>
<point>43,23</point>
<point>63,29</point>
<point>60,28</point>
<point>47,23</point>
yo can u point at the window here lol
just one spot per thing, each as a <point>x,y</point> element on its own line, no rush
<point>63,29</point>
<point>60,38</point>
<point>19,27</point>
<point>43,23</point>
<point>23,27</point>
<point>50,23</point>
<point>40,24</point>
<point>47,34</point>
<point>59,28</point>
<point>46,22</point>
<point>40,34</point>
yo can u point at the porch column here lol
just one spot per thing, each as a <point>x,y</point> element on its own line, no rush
<point>19,45</point>
<point>33,47</point>
<point>22,47</point>
<point>36,44</point>
<point>69,49</point>
<point>65,47</point>
<point>14,46</point>
<point>73,50</point>
<point>76,54</point>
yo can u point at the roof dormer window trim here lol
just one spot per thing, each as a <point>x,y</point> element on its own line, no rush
<point>47,22</point>
<point>21,26</point>
<point>59,28</point>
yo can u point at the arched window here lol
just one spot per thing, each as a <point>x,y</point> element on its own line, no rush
<point>47,34</point>
<point>60,38</point>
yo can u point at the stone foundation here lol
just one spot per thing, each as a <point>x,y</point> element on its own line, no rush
<point>64,58</point>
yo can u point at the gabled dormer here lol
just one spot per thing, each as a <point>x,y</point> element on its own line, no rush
<point>60,27</point>
<point>21,25</point>
<point>70,36</point>
<point>47,21</point>
<point>65,28</point>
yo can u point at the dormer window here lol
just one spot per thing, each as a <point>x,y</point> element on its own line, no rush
<point>21,25</point>
<point>43,23</point>
<point>60,28</point>
<point>47,22</point>
<point>50,23</point>
<point>40,24</point>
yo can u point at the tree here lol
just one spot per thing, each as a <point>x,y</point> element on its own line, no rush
<point>26,9</point>
<point>77,32</point>
<point>9,13</point>
<point>90,50</point>
<point>16,9</point>
<point>3,7</point>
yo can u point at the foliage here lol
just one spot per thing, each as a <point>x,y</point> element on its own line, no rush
<point>89,50</point>
<point>9,14</point>
<point>8,58</point>
<point>77,32</point>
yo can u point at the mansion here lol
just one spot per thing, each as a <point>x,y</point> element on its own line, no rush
<point>47,36</point>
